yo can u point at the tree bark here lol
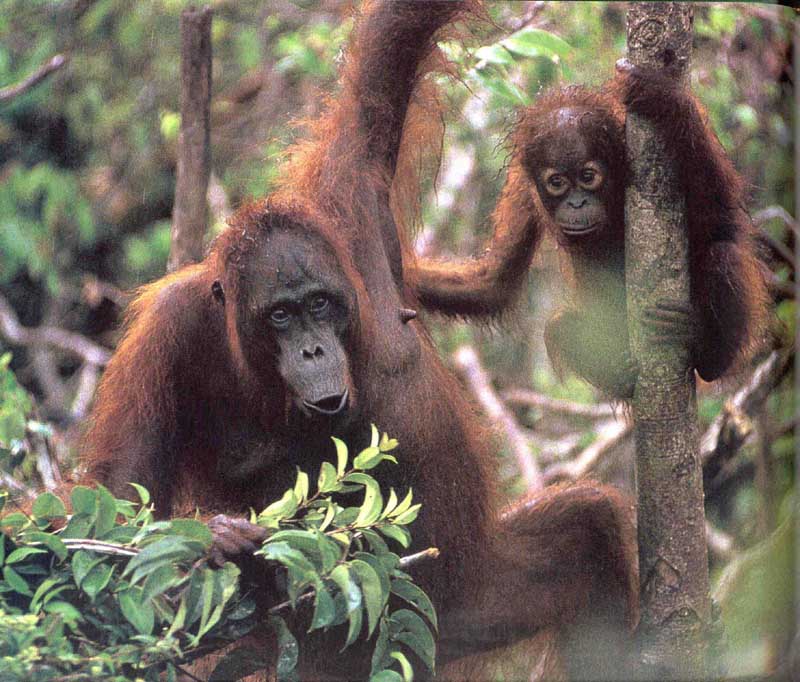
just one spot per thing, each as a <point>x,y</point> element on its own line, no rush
<point>190,212</point>
<point>673,560</point>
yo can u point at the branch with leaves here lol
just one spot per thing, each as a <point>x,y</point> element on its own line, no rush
<point>85,595</point>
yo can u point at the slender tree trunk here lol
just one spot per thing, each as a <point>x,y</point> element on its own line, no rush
<point>190,211</point>
<point>672,549</point>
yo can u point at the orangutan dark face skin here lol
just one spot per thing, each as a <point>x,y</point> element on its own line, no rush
<point>297,311</point>
<point>572,180</point>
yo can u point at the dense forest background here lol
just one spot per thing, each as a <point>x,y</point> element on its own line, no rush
<point>87,175</point>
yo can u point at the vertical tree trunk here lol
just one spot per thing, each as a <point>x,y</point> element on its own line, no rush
<point>190,211</point>
<point>672,548</point>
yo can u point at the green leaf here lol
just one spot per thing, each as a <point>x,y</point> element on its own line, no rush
<point>15,520</point>
<point>411,630</point>
<point>407,516</point>
<point>82,563</point>
<point>398,534</point>
<point>163,551</point>
<point>206,599</point>
<point>405,665</point>
<point>375,437</point>
<point>381,570</point>
<point>404,505</point>
<point>341,456</point>
<point>21,552</point>
<point>387,676</point>
<point>330,552</point>
<point>343,578</point>
<point>282,509</point>
<point>327,481</point>
<point>301,486</point>
<point>534,42</point>
<point>144,493</point>
<point>97,580</point>
<point>48,506</point>
<point>46,585</point>
<point>106,512</point>
<point>372,591</point>
<point>368,458</point>
<point>137,612</point>
<point>415,595</point>
<point>324,610</point>
<point>373,501</point>
<point>387,444</point>
<point>494,54</point>
<point>159,581</point>
<point>288,650</point>
<point>54,543</point>
<point>16,582</point>
<point>379,658</point>
<point>84,500</point>
<point>193,530</point>
<point>65,610</point>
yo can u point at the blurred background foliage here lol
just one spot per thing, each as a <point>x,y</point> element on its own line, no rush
<point>87,169</point>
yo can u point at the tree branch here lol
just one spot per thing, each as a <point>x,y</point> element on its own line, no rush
<point>54,64</point>
<point>732,426</point>
<point>466,360</point>
<point>527,398</point>
<point>190,211</point>
<point>62,339</point>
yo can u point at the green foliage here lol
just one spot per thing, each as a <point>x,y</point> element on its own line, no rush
<point>107,592</point>
<point>42,213</point>
<point>339,556</point>
<point>15,409</point>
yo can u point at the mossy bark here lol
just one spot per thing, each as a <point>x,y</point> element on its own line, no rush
<point>671,523</point>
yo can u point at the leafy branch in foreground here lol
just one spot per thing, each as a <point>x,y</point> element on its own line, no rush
<point>106,592</point>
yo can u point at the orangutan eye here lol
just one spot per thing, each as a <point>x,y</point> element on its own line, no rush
<point>319,304</point>
<point>555,183</point>
<point>279,317</point>
<point>591,177</point>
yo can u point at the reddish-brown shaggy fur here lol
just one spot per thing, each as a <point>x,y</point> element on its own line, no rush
<point>728,290</point>
<point>180,403</point>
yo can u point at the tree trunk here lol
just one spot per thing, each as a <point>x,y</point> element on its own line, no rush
<point>190,211</point>
<point>673,559</point>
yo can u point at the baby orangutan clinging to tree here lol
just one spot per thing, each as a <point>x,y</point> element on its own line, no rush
<point>568,174</point>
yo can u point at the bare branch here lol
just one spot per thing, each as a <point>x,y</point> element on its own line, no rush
<point>10,92</point>
<point>190,212</point>
<point>466,360</point>
<point>779,213</point>
<point>62,339</point>
<point>527,398</point>
<point>609,435</point>
<point>732,426</point>
<point>720,543</point>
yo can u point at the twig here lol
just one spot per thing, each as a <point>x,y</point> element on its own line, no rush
<point>466,359</point>
<point>732,426</point>
<point>405,562</point>
<point>10,92</point>
<point>190,211</point>
<point>720,543</point>
<point>62,339</point>
<point>424,555</point>
<point>11,483</point>
<point>780,213</point>
<point>528,398</point>
<point>609,435</point>
<point>99,546</point>
<point>218,201</point>
<point>87,382</point>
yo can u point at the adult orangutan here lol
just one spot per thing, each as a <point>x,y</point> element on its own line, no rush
<point>295,328</point>
<point>568,175</point>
